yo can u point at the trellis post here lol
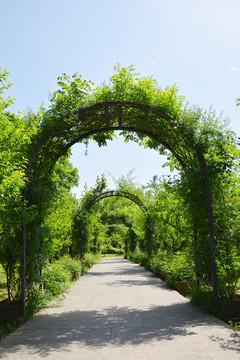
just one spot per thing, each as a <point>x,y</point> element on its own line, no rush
<point>211,228</point>
<point>23,269</point>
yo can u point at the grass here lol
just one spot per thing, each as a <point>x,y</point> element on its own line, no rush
<point>111,255</point>
<point>3,286</point>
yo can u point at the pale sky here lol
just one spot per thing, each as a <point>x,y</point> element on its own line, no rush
<point>193,44</point>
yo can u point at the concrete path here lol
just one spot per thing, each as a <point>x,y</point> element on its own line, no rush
<point>121,311</point>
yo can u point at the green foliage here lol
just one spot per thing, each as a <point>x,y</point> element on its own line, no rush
<point>16,132</point>
<point>127,85</point>
<point>203,297</point>
<point>171,229</point>
<point>49,224</point>
<point>178,268</point>
<point>74,267</point>
<point>112,255</point>
<point>56,279</point>
<point>4,85</point>
<point>139,257</point>
<point>174,267</point>
<point>89,260</point>
<point>11,327</point>
<point>87,229</point>
<point>37,300</point>
<point>235,325</point>
<point>106,225</point>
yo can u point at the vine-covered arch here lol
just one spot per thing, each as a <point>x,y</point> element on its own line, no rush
<point>159,124</point>
<point>116,222</point>
<point>124,194</point>
<point>162,131</point>
<point>118,193</point>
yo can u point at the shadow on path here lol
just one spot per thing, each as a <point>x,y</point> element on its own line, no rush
<point>120,326</point>
<point>64,326</point>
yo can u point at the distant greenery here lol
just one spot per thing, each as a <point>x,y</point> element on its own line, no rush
<point>111,255</point>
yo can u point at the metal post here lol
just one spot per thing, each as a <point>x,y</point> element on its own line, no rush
<point>195,254</point>
<point>81,239</point>
<point>211,229</point>
<point>149,237</point>
<point>23,269</point>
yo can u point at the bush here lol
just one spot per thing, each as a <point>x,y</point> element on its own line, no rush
<point>157,265</point>
<point>37,300</point>
<point>89,261</point>
<point>139,257</point>
<point>202,296</point>
<point>56,279</point>
<point>72,266</point>
<point>174,267</point>
<point>178,268</point>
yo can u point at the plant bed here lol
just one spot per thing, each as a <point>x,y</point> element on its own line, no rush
<point>184,287</point>
<point>9,312</point>
<point>231,308</point>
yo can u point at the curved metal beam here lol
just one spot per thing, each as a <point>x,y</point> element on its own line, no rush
<point>104,106</point>
<point>119,193</point>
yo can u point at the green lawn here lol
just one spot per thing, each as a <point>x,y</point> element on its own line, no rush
<point>111,255</point>
<point>3,286</point>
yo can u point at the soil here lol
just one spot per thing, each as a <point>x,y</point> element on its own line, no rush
<point>9,312</point>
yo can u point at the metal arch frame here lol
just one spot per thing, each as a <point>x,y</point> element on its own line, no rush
<point>119,124</point>
<point>105,107</point>
<point>126,195</point>
<point>122,218</point>
<point>120,193</point>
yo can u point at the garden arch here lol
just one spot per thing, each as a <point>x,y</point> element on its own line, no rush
<point>99,121</point>
<point>129,196</point>
<point>124,222</point>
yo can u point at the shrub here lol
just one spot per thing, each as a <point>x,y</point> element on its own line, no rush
<point>139,257</point>
<point>89,261</point>
<point>157,265</point>
<point>37,300</point>
<point>56,279</point>
<point>202,296</point>
<point>72,266</point>
<point>178,268</point>
<point>175,267</point>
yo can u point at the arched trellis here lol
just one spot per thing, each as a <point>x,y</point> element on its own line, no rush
<point>118,226</point>
<point>91,121</point>
<point>119,193</point>
<point>126,195</point>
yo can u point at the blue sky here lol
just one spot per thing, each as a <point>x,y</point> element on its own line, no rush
<point>193,44</point>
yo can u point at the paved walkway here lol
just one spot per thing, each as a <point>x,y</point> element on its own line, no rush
<point>121,311</point>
